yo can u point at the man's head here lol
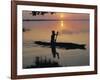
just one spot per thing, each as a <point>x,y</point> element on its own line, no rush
<point>53,32</point>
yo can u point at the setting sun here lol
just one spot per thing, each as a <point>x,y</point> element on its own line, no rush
<point>61,15</point>
<point>62,24</point>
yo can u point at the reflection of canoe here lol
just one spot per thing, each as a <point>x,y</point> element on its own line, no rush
<point>62,45</point>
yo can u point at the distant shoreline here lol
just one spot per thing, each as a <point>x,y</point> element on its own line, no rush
<point>55,20</point>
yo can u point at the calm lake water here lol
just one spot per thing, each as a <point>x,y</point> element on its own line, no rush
<point>69,31</point>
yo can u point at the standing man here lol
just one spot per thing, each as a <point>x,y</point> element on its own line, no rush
<point>53,44</point>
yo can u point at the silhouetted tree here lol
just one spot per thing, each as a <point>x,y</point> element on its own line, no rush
<point>35,13</point>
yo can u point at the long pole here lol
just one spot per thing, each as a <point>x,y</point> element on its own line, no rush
<point>56,36</point>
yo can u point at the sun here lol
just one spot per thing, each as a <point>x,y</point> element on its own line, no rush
<point>61,25</point>
<point>61,22</point>
<point>61,15</point>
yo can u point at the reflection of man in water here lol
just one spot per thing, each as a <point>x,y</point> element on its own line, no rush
<point>53,44</point>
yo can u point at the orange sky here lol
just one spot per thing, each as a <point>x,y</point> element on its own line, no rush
<point>28,15</point>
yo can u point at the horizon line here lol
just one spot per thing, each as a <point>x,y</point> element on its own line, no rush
<point>55,20</point>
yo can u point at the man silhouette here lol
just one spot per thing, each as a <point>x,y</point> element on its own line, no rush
<point>53,44</point>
